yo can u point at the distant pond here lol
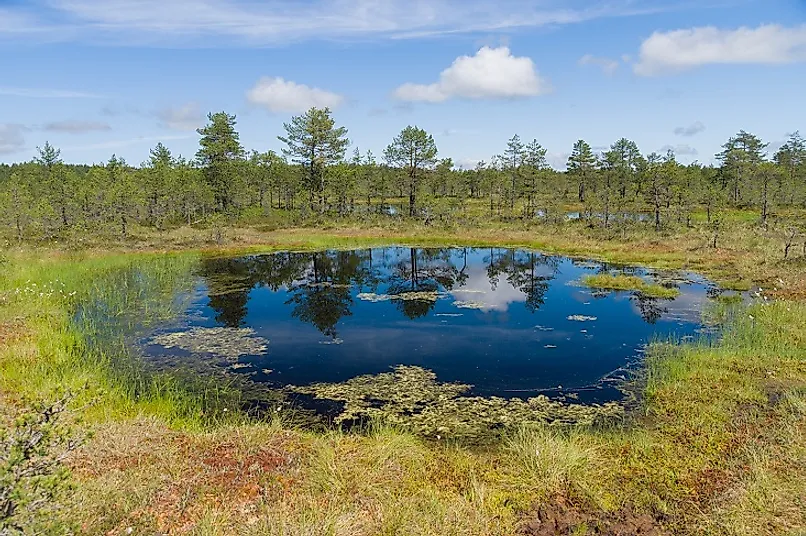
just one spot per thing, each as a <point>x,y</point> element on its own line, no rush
<point>356,327</point>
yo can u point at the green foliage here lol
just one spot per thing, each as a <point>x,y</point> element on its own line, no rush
<point>33,476</point>
<point>413,151</point>
<point>219,155</point>
<point>315,142</point>
<point>313,181</point>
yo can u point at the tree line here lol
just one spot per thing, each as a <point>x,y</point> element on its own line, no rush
<point>315,176</point>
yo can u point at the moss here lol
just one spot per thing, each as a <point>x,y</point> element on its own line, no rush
<point>230,343</point>
<point>469,304</point>
<point>412,398</point>
<point>629,282</point>
<point>582,318</point>
<point>431,296</point>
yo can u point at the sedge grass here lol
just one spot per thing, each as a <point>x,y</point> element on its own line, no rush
<point>715,447</point>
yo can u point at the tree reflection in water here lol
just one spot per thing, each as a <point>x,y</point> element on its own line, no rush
<point>321,285</point>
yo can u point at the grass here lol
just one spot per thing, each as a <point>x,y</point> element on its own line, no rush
<point>716,445</point>
<point>629,282</point>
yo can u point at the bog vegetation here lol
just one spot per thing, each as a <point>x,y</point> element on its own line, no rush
<point>713,442</point>
<point>316,177</point>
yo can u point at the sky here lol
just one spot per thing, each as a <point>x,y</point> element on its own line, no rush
<point>103,77</point>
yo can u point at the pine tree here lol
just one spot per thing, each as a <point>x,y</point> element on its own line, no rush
<point>315,142</point>
<point>219,155</point>
<point>414,151</point>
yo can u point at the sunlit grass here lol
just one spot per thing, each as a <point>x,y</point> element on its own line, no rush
<point>715,445</point>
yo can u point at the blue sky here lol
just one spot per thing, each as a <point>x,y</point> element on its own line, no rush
<point>101,77</point>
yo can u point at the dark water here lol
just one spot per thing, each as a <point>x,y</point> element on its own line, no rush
<point>530,329</point>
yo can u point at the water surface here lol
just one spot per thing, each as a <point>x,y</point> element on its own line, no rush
<point>511,323</point>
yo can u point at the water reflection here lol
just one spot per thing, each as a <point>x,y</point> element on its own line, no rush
<point>319,283</point>
<point>501,320</point>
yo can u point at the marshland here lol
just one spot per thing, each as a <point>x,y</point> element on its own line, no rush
<point>262,344</point>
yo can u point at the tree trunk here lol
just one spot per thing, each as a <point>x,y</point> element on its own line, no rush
<point>412,193</point>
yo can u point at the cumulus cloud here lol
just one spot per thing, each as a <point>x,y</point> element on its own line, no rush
<point>493,73</point>
<point>76,126</point>
<point>678,50</point>
<point>558,161</point>
<point>187,117</point>
<point>679,150</point>
<point>279,95</point>
<point>607,65</point>
<point>12,138</point>
<point>691,130</point>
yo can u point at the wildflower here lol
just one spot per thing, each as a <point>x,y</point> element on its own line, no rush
<point>751,317</point>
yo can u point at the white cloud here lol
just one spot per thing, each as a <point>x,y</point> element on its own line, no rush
<point>477,289</point>
<point>667,52</point>
<point>77,126</point>
<point>691,130</point>
<point>607,65</point>
<point>679,150</point>
<point>212,22</point>
<point>467,163</point>
<point>43,93</point>
<point>12,139</point>
<point>558,161</point>
<point>492,73</point>
<point>279,95</point>
<point>185,117</point>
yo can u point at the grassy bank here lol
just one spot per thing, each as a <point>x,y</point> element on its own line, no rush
<point>716,447</point>
<point>747,255</point>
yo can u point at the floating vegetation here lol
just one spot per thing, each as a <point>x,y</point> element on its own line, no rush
<point>412,398</point>
<point>582,318</point>
<point>230,343</point>
<point>630,282</point>
<point>431,296</point>
<point>326,284</point>
<point>469,304</point>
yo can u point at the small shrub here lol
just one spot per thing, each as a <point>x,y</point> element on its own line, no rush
<point>33,477</point>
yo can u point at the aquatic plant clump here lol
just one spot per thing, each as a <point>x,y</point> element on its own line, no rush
<point>630,282</point>
<point>581,318</point>
<point>469,304</point>
<point>230,343</point>
<point>431,296</point>
<point>412,398</point>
